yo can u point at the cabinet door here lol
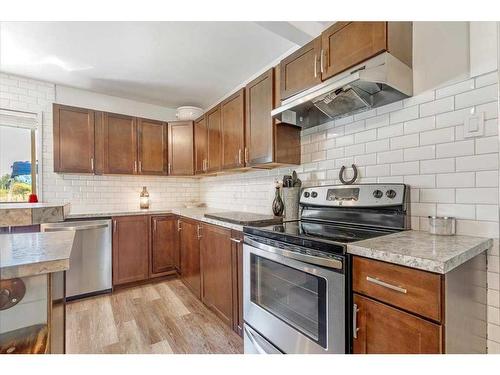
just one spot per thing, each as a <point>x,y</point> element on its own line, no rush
<point>301,69</point>
<point>216,265</point>
<point>346,44</point>
<point>130,249</point>
<point>180,148</point>
<point>237,259</point>
<point>152,147</point>
<point>73,139</point>
<point>213,120</point>
<point>120,144</point>
<point>190,256</point>
<point>233,130</point>
<point>200,145</point>
<point>164,244</point>
<point>386,330</point>
<point>259,123</point>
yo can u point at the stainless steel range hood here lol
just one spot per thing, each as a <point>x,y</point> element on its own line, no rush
<point>376,82</point>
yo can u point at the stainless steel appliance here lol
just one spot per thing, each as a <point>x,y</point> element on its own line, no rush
<point>378,81</point>
<point>297,275</point>
<point>90,260</point>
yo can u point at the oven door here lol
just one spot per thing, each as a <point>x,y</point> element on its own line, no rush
<point>298,306</point>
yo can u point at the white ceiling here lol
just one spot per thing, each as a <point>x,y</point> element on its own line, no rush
<point>165,63</point>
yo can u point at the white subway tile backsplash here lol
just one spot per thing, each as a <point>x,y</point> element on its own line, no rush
<point>424,97</point>
<point>477,195</point>
<point>465,179</point>
<point>437,136</point>
<point>437,166</point>
<point>377,146</point>
<point>406,168</point>
<point>378,170</point>
<point>486,145</point>
<point>365,136</point>
<point>389,108</point>
<point>459,211</point>
<point>437,195</point>
<point>403,115</point>
<point>390,157</point>
<point>487,79</point>
<point>345,140</point>
<point>420,153</point>
<point>405,141</point>
<point>457,88</point>
<point>421,181</point>
<point>390,131</point>
<point>419,125</point>
<point>487,179</point>
<point>377,122</point>
<point>437,106</point>
<point>487,212</point>
<point>457,117</point>
<point>478,96</point>
<point>453,149</point>
<point>477,163</point>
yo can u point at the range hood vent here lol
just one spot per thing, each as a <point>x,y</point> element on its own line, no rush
<point>376,82</point>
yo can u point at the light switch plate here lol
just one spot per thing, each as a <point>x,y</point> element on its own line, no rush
<point>474,125</point>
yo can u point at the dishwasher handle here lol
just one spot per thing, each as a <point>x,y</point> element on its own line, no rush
<point>83,227</point>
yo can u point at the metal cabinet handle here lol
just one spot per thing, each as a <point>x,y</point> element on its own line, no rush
<point>199,231</point>
<point>376,281</point>
<point>235,240</point>
<point>92,164</point>
<point>154,225</point>
<point>169,168</point>
<point>321,61</point>
<point>135,165</point>
<point>246,155</point>
<point>114,226</point>
<point>140,166</point>
<point>355,328</point>
<point>239,156</point>
<point>179,227</point>
<point>315,66</point>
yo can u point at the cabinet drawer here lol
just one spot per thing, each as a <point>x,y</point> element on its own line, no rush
<point>412,290</point>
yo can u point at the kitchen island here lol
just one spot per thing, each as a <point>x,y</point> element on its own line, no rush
<point>32,291</point>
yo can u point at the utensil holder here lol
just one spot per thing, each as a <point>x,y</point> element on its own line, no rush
<point>443,226</point>
<point>291,196</point>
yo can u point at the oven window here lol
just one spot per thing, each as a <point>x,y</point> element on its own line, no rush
<point>295,297</point>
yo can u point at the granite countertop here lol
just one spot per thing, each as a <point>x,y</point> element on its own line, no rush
<point>32,254</point>
<point>18,214</point>
<point>421,250</point>
<point>245,218</point>
<point>195,213</point>
<point>21,206</point>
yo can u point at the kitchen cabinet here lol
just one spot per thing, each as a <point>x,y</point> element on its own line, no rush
<point>152,147</point>
<point>345,44</point>
<point>217,267</point>
<point>383,329</point>
<point>73,139</point>
<point>233,130</point>
<point>200,145</point>
<point>119,144</point>
<point>213,123</point>
<point>301,70</point>
<point>237,273</point>
<point>190,232</point>
<point>164,245</point>
<point>268,143</point>
<point>130,249</point>
<point>180,148</point>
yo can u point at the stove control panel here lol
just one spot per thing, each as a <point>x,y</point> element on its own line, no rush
<point>369,195</point>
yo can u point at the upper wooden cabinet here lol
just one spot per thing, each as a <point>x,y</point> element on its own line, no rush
<point>341,46</point>
<point>233,130</point>
<point>180,148</point>
<point>119,144</point>
<point>346,44</point>
<point>200,145</point>
<point>301,69</point>
<point>152,150</point>
<point>214,133</point>
<point>73,139</point>
<point>268,143</point>
<point>130,249</point>
<point>164,245</point>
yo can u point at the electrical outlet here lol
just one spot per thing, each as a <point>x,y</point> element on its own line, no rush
<point>474,125</point>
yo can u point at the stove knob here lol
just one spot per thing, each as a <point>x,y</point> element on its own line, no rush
<point>390,194</point>
<point>378,194</point>
<point>314,194</point>
<point>306,194</point>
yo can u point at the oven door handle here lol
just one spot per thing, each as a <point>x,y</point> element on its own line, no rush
<point>325,262</point>
<point>258,347</point>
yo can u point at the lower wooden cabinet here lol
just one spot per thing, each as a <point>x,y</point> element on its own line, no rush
<point>190,232</point>
<point>382,329</point>
<point>216,265</point>
<point>164,245</point>
<point>130,249</point>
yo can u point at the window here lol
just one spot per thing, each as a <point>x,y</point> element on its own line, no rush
<point>18,160</point>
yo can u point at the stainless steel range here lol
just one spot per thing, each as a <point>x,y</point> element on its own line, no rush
<point>297,275</point>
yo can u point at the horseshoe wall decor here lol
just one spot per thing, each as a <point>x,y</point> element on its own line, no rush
<point>353,179</point>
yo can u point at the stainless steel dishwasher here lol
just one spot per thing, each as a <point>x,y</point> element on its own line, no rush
<point>90,261</point>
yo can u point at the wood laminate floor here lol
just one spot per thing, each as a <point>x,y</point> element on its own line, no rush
<point>155,318</point>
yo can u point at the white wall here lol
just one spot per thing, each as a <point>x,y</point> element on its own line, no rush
<point>93,100</point>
